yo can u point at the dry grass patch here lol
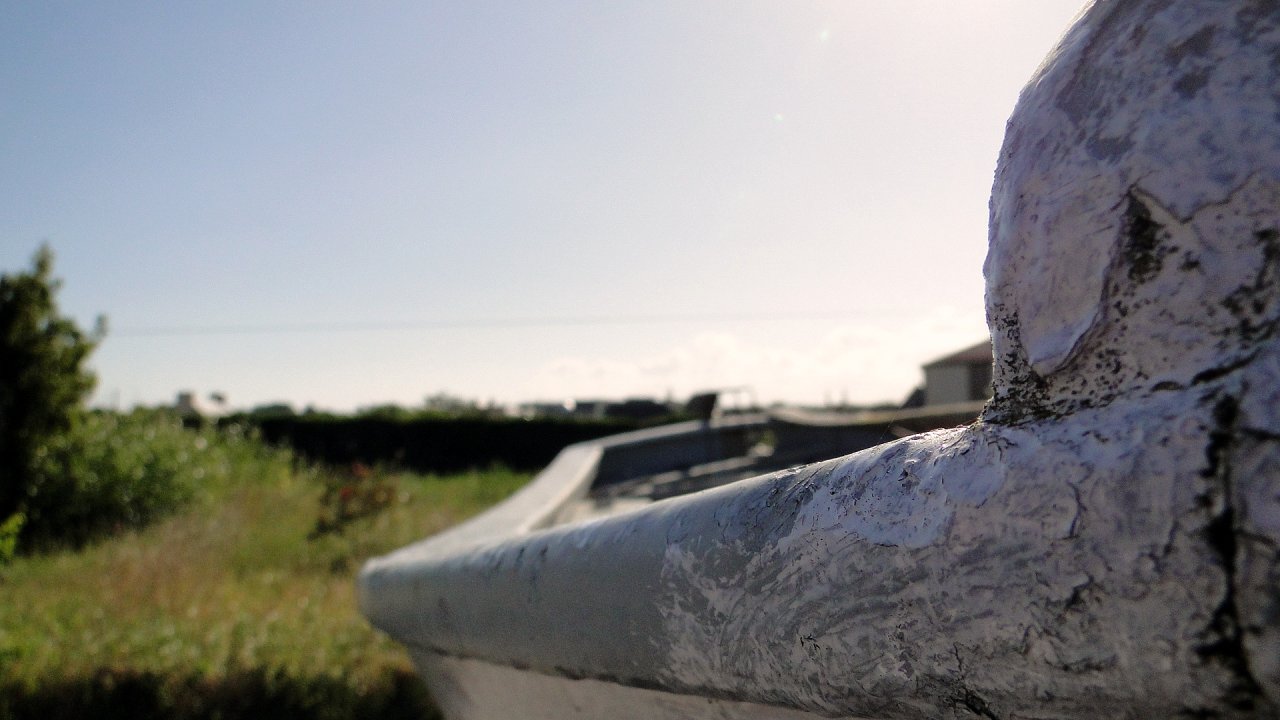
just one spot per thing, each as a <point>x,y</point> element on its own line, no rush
<point>234,608</point>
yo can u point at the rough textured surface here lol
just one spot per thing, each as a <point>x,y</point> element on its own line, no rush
<point>1039,570</point>
<point>1133,220</point>
<point>1104,543</point>
<point>1135,245</point>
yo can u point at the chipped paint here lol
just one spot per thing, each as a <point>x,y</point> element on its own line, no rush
<point>1105,542</point>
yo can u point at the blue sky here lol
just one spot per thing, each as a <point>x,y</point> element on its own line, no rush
<point>343,205</point>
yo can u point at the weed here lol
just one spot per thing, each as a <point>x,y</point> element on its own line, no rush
<point>359,493</point>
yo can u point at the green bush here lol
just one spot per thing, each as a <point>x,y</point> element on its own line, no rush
<point>114,472</point>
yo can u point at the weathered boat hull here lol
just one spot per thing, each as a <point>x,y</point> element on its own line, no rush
<point>1104,542</point>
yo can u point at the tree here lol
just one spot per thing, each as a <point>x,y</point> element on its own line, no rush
<point>43,378</point>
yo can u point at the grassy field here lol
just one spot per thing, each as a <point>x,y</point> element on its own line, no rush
<point>241,605</point>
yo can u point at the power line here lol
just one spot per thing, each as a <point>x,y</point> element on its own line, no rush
<point>469,324</point>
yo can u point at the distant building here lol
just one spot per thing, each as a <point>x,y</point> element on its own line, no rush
<point>193,412</point>
<point>529,410</point>
<point>964,376</point>
<point>590,409</point>
<point>187,406</point>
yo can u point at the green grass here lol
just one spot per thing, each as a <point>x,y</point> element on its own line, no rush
<point>234,607</point>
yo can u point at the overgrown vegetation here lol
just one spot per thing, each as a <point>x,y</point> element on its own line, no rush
<point>43,380</point>
<point>150,570</point>
<point>112,472</point>
<point>234,606</point>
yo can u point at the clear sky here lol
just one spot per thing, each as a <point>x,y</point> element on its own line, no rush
<point>346,204</point>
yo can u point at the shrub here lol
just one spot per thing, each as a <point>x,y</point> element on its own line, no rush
<point>108,473</point>
<point>115,472</point>
<point>43,378</point>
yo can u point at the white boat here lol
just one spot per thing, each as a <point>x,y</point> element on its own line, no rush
<point>1103,542</point>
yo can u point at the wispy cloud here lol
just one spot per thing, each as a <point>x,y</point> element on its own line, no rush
<point>865,362</point>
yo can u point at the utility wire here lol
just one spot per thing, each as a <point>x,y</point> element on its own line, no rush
<point>470,324</point>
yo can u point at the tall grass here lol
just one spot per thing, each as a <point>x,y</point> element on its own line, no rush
<point>233,607</point>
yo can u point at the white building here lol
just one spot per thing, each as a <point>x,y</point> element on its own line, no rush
<point>964,376</point>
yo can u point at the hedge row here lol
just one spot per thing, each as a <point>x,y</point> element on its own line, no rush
<point>435,444</point>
